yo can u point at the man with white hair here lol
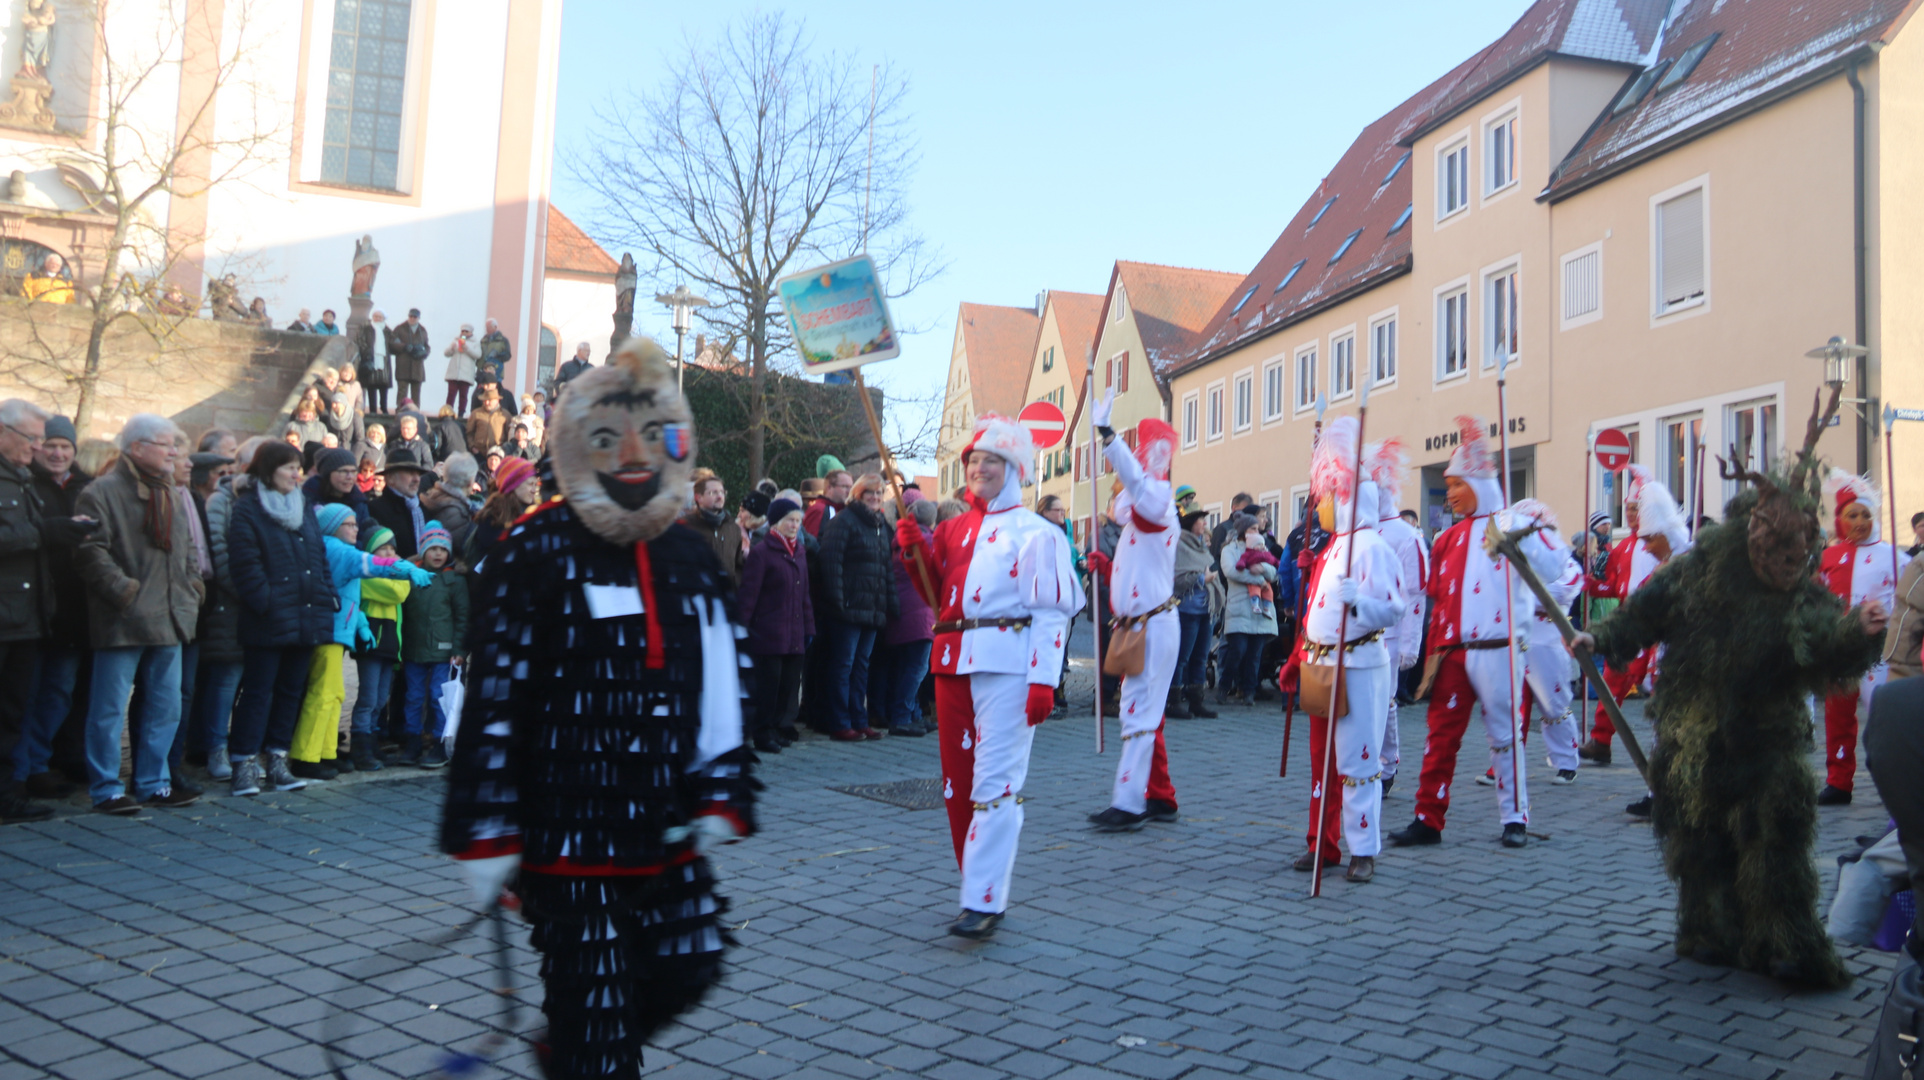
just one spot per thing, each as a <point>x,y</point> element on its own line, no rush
<point>144,591</point>
<point>50,285</point>
<point>577,365</point>
<point>496,354</point>
<point>1007,590</point>
<point>302,324</point>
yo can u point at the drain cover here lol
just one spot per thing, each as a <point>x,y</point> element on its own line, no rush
<point>907,794</point>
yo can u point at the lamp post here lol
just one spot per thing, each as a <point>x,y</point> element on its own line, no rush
<point>683,304</point>
<point>1839,356</point>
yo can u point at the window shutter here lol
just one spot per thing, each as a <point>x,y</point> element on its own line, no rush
<point>1580,287</point>
<point>1122,362</point>
<point>1681,225</point>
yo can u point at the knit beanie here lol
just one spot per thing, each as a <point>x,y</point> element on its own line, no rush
<point>332,516</point>
<point>756,503</point>
<point>335,457</point>
<point>380,535</point>
<point>59,427</point>
<point>781,508</point>
<point>512,473</point>
<point>436,536</point>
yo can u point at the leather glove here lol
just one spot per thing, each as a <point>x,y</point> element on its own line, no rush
<point>1105,405</point>
<point>907,534</point>
<point>1347,590</point>
<point>1042,702</point>
<point>488,878</point>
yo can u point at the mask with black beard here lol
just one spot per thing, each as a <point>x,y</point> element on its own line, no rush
<point>623,443</point>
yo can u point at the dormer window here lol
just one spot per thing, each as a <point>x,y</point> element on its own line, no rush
<point>1343,248</point>
<point>1639,88</point>
<point>1320,213</point>
<point>1685,64</point>
<point>1291,276</point>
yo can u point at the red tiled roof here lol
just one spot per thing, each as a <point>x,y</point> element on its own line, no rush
<point>1076,317</point>
<point>570,250</point>
<point>999,343</point>
<point>1763,49</point>
<point>1171,305</point>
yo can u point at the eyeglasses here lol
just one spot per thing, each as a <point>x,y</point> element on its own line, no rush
<point>32,440</point>
<point>164,444</point>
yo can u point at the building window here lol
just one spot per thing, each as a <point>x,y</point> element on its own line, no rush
<point>1271,503</point>
<point>1502,343</point>
<point>1244,403</point>
<point>544,365</point>
<point>1453,334</point>
<point>1342,249</point>
<point>1402,219</point>
<point>1319,214</point>
<point>1612,484</point>
<point>1453,180</point>
<point>1189,420</point>
<point>1118,373</point>
<point>1342,366</point>
<point>1237,310</point>
<point>1583,286</point>
<point>1298,504</point>
<point>366,93</point>
<point>1751,429</point>
<point>1383,350</point>
<point>1306,379</point>
<point>1502,153</point>
<point>1289,277</point>
<point>1273,391</point>
<point>1122,305</point>
<point>1680,252</point>
<point>1394,169</point>
<point>1682,439</point>
<point>1049,358</point>
<point>1215,412</point>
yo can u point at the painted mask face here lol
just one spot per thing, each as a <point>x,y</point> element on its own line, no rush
<point>1779,540</point>
<point>624,445</point>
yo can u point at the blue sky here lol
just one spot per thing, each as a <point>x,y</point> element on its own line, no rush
<point>1056,138</point>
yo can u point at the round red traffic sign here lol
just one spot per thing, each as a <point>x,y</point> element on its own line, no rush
<point>1613,449</point>
<point>1045,423</point>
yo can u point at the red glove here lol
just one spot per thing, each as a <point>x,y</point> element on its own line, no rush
<point>1099,562</point>
<point>1287,677</point>
<point>1042,702</point>
<point>907,533</point>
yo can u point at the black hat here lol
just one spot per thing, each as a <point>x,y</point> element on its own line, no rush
<point>756,504</point>
<point>335,457</point>
<point>207,459</point>
<point>401,459</point>
<point>414,313</point>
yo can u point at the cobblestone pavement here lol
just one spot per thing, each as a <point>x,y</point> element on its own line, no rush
<point>205,942</point>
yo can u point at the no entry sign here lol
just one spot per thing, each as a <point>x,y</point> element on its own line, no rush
<point>1045,423</point>
<point>1613,449</point>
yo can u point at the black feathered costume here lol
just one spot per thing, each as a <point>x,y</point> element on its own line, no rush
<point>601,741</point>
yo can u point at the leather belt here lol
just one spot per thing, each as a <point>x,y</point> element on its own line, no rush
<point>1501,644</point>
<point>1320,651</point>
<point>955,625</point>
<point>1126,622</point>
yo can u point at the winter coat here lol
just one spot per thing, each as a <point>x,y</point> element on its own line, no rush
<point>449,437</point>
<point>403,343</point>
<point>312,431</point>
<point>281,576</point>
<point>26,583</point>
<point>462,353</point>
<point>917,619</point>
<point>137,594</point>
<point>486,428</point>
<point>381,600</point>
<point>390,509</point>
<point>723,537</point>
<point>220,612</point>
<point>317,494</point>
<point>454,512</point>
<point>773,600</point>
<point>571,369</point>
<point>496,354</point>
<point>370,357</point>
<point>1240,615</point>
<point>858,586</point>
<point>434,620</point>
<point>348,566</point>
<point>1904,638</point>
<point>818,515</point>
<point>69,629</point>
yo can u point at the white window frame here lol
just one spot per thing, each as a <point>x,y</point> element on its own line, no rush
<point>1301,403</point>
<point>320,47</point>
<point>1717,411</point>
<point>1344,336</point>
<point>1392,318</point>
<point>1659,315</point>
<point>1298,495</point>
<point>1191,414</point>
<point>1437,350</point>
<point>1508,118</point>
<point>1510,270</point>
<point>1215,512</point>
<point>1444,152</point>
<point>1213,398</point>
<point>1278,368</point>
<point>1242,401</point>
<point>1272,501</point>
<point>1121,305</point>
<point>1563,270</point>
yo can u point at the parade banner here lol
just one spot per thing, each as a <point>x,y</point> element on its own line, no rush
<point>839,316</point>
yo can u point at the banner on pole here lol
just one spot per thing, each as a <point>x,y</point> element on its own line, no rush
<point>839,316</point>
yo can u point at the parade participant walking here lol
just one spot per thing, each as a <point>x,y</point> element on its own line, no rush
<point>601,745</point>
<point>1006,593</point>
<point>1858,567</point>
<point>1475,601</point>
<point>1141,599</point>
<point>1373,591</point>
<point>1657,531</point>
<point>1389,465</point>
<point>1547,670</point>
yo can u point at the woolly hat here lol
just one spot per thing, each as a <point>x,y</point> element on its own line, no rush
<point>1155,447</point>
<point>512,473</point>
<point>436,536</point>
<point>60,427</point>
<point>781,508</point>
<point>756,504</point>
<point>1184,491</point>
<point>333,516</point>
<point>335,457</point>
<point>379,535</point>
<point>461,470</point>
<point>826,464</point>
<point>1598,518</point>
<point>1472,458</point>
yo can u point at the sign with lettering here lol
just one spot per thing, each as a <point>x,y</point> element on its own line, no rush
<point>1445,443</point>
<point>839,316</point>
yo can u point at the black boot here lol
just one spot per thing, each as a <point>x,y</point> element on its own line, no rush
<point>362,753</point>
<point>1197,707</point>
<point>1173,709</point>
<point>1417,833</point>
<point>411,749</point>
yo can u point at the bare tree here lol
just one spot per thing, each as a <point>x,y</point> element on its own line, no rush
<point>749,163</point>
<point>139,166</point>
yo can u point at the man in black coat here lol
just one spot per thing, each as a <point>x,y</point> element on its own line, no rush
<point>63,652</point>
<point>858,600</point>
<point>399,507</point>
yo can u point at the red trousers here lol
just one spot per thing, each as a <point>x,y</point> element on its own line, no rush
<point>1454,693</point>
<point>1619,683</point>
<point>955,719</point>
<point>1161,788</point>
<point>1325,794</point>
<point>1840,740</point>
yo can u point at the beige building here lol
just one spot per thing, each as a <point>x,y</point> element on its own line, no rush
<point>1057,365</point>
<point>988,372</point>
<point>1648,215</point>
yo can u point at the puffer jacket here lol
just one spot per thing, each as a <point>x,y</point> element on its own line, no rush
<point>281,576</point>
<point>26,586</point>
<point>434,620</point>
<point>220,612</point>
<point>1240,615</point>
<point>858,579</point>
<point>69,592</point>
<point>137,594</point>
<point>1904,639</point>
<point>773,600</point>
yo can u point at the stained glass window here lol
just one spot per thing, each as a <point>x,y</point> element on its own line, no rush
<point>366,86</point>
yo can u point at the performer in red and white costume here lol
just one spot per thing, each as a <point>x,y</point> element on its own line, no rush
<point>1657,531</point>
<point>1471,658</point>
<point>1857,567</point>
<point>1388,464</point>
<point>1008,590</point>
<point>1373,591</point>
<point>1547,667</point>
<point>1141,582</point>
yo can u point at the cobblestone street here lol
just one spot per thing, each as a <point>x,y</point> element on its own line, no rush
<point>205,942</point>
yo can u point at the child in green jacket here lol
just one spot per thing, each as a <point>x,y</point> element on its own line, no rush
<point>437,623</point>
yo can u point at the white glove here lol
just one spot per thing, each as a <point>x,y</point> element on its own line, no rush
<point>709,832</point>
<point>488,877</point>
<point>1104,406</point>
<point>1347,590</point>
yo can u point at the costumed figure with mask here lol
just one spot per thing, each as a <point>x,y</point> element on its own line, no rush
<point>1476,600</point>
<point>1657,531</point>
<point>1857,567</point>
<point>1388,464</point>
<point>1749,634</point>
<point>1007,590</point>
<point>1547,666</point>
<point>1374,592</point>
<point>1142,580</point>
<point>601,751</point>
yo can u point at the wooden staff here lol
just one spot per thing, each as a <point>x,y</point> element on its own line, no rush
<point>1320,795</point>
<point>1509,603</point>
<point>1302,603</point>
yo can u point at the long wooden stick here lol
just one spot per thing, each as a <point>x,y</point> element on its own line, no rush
<point>1095,533</point>
<point>1509,603</point>
<point>1302,606</point>
<point>1319,782</point>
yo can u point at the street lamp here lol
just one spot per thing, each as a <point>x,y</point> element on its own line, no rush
<point>1837,355</point>
<point>682,303</point>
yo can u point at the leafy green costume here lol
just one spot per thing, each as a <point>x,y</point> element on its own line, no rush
<point>1734,798</point>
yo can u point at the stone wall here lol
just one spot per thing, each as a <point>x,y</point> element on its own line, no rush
<point>197,372</point>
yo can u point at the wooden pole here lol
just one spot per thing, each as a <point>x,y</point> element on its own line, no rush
<point>889,471</point>
<point>1516,688</point>
<point>1319,782</point>
<point>1095,533</point>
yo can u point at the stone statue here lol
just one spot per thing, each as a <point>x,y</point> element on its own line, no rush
<point>367,263</point>
<point>36,46</point>
<point>624,302</point>
<point>31,89</point>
